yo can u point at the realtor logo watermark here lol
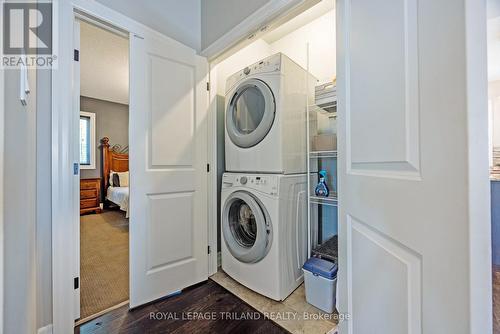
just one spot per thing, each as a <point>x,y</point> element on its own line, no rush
<point>28,35</point>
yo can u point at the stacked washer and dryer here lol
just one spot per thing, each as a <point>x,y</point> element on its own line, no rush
<point>264,189</point>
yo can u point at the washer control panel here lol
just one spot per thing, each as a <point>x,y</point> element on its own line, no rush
<point>267,65</point>
<point>265,183</point>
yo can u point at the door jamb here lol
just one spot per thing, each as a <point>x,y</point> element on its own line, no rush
<point>65,192</point>
<point>478,180</point>
<point>65,205</point>
<point>212,176</point>
<point>2,143</point>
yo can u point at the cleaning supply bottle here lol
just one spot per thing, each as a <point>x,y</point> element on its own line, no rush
<point>321,188</point>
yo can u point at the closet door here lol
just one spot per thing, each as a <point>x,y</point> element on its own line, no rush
<point>413,192</point>
<point>168,173</point>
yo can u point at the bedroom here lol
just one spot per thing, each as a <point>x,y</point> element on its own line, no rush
<point>104,136</point>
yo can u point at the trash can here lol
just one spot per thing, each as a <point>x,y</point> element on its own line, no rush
<point>320,278</point>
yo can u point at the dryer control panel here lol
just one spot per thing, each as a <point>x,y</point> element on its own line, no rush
<point>267,65</point>
<point>265,183</point>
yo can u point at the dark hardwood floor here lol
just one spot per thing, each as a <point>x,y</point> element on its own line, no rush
<point>217,310</point>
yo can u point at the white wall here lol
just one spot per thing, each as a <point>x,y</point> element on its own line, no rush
<point>319,33</point>
<point>180,20</point>
<point>20,279</point>
<point>27,206</point>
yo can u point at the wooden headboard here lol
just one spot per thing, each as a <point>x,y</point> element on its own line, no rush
<point>111,161</point>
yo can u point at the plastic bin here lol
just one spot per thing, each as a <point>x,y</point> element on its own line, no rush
<point>320,278</point>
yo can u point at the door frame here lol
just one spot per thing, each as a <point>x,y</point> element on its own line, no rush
<point>481,318</point>
<point>2,168</point>
<point>65,185</point>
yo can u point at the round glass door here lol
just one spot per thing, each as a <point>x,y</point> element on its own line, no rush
<point>250,113</point>
<point>242,223</point>
<point>246,227</point>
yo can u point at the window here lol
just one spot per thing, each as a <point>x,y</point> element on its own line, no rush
<point>87,140</point>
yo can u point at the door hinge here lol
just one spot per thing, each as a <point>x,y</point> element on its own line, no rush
<point>208,249</point>
<point>76,55</point>
<point>208,86</point>
<point>76,167</point>
<point>208,168</point>
<point>76,282</point>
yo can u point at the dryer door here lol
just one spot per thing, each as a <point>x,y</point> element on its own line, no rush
<point>246,227</point>
<point>250,113</point>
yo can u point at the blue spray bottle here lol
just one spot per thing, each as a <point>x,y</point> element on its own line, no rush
<point>321,188</point>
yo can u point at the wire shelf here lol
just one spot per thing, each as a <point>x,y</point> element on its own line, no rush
<point>331,200</point>
<point>323,154</point>
<point>328,250</point>
<point>329,108</point>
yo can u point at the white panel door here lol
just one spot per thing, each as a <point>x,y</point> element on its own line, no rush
<point>404,217</point>
<point>168,176</point>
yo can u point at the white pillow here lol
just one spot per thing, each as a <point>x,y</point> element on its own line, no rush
<point>124,179</point>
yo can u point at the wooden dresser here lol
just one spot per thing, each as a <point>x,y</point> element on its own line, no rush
<point>90,190</point>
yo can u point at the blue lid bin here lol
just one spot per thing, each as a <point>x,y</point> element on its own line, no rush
<point>320,278</point>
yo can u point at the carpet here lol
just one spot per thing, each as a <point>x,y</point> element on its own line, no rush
<point>104,261</point>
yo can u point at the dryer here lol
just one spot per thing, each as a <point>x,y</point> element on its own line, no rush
<point>266,117</point>
<point>264,231</point>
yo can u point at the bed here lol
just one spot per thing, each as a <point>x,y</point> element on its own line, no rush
<point>113,161</point>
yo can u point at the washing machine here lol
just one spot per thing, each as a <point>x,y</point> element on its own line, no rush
<point>266,117</point>
<point>264,231</point>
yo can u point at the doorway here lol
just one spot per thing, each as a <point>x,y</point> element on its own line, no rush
<point>103,59</point>
<point>249,109</point>
<point>167,128</point>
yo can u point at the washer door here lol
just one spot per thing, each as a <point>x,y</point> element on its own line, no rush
<point>250,113</point>
<point>246,227</point>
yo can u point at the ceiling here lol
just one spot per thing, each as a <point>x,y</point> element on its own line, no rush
<point>104,67</point>
<point>178,19</point>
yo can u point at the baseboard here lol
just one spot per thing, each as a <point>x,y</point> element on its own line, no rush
<point>45,330</point>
